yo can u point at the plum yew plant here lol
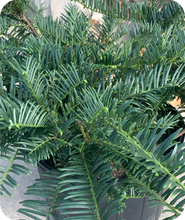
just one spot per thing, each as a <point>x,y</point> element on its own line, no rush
<point>80,98</point>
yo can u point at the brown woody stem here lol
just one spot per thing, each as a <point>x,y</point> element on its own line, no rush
<point>179,134</point>
<point>83,132</point>
<point>29,25</point>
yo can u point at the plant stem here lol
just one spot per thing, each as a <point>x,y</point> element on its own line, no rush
<point>29,25</point>
<point>181,133</point>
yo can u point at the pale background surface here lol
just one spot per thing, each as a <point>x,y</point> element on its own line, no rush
<point>9,205</point>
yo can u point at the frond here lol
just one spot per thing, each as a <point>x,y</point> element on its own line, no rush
<point>139,155</point>
<point>64,82</point>
<point>4,25</point>
<point>8,50</point>
<point>142,32</point>
<point>136,11</point>
<point>91,106</point>
<point>41,147</point>
<point>15,116</point>
<point>52,30</point>
<point>85,178</point>
<point>172,13</point>
<point>153,87</point>
<point>7,182</point>
<point>49,54</point>
<point>72,20</point>
<point>31,79</point>
<point>177,52</point>
<point>43,188</point>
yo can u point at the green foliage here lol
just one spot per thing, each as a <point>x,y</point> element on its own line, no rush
<point>87,101</point>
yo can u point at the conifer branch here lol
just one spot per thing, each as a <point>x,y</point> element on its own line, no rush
<point>29,25</point>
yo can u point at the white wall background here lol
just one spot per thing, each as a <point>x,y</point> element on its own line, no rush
<point>56,7</point>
